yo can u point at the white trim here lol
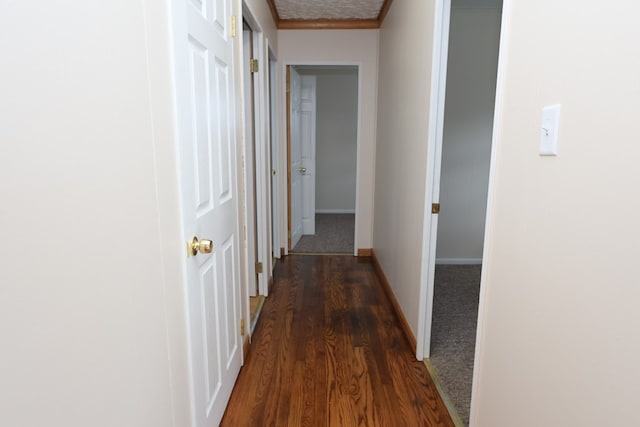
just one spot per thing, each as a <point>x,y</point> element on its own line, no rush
<point>458,261</point>
<point>250,204</point>
<point>497,120</point>
<point>262,174</point>
<point>356,244</point>
<point>284,158</point>
<point>335,211</point>
<point>432,185</point>
<point>261,162</point>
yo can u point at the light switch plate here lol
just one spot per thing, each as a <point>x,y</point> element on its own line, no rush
<point>549,130</point>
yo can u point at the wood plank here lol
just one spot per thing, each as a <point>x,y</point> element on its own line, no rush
<point>328,24</point>
<point>328,350</point>
<point>274,11</point>
<point>384,10</point>
<point>365,251</point>
<point>245,346</point>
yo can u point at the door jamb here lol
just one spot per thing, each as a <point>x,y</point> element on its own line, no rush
<point>497,122</point>
<point>249,149</point>
<point>261,162</point>
<point>287,89</point>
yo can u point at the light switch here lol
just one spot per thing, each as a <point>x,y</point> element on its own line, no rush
<point>549,130</point>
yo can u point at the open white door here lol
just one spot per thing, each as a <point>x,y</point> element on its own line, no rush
<point>297,170</point>
<point>434,156</point>
<point>275,157</point>
<point>207,151</point>
<point>308,153</point>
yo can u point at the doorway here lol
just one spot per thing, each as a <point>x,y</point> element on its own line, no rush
<point>322,124</point>
<point>257,165</point>
<point>470,55</point>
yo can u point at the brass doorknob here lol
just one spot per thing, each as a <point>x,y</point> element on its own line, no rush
<point>203,246</point>
<point>302,170</point>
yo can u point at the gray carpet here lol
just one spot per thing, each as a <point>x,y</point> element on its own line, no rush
<point>453,335</point>
<point>334,234</point>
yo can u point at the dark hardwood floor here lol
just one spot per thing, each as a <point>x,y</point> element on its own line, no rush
<point>328,351</point>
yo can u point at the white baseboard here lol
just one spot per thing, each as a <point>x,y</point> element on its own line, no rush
<point>458,260</point>
<point>335,211</point>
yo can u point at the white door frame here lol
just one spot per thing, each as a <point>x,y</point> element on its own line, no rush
<point>436,123</point>
<point>497,124</point>
<point>249,164</point>
<point>283,81</point>
<point>261,161</point>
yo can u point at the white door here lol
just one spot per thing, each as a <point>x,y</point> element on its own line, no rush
<point>308,153</point>
<point>207,151</point>
<point>275,155</point>
<point>296,157</point>
<point>436,126</point>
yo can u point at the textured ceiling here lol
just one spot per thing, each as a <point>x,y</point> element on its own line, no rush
<point>328,9</point>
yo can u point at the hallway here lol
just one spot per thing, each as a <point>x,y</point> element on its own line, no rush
<point>328,350</point>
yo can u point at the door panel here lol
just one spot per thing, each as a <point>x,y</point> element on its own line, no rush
<point>308,153</point>
<point>275,156</point>
<point>207,144</point>
<point>296,158</point>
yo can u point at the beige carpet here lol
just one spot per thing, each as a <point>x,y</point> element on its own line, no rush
<point>453,333</point>
<point>334,234</point>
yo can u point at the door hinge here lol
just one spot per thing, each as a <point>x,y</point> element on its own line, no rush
<point>435,208</point>
<point>233,25</point>
<point>288,87</point>
<point>241,326</point>
<point>258,267</point>
<point>253,65</point>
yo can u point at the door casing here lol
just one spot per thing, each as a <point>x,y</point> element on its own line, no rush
<point>260,165</point>
<point>285,125</point>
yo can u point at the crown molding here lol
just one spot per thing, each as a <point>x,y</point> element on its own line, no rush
<point>328,24</point>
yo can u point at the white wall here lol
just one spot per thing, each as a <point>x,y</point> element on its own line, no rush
<point>91,300</point>
<point>559,338</point>
<point>336,140</point>
<point>468,125</point>
<point>401,152</point>
<point>343,47</point>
